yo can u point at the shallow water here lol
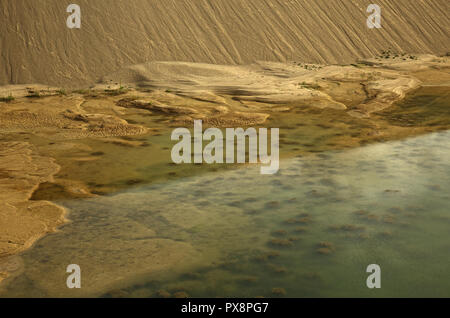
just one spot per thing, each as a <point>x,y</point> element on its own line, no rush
<point>310,231</point>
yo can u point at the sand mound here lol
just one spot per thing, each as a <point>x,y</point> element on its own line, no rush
<point>215,92</point>
<point>37,47</point>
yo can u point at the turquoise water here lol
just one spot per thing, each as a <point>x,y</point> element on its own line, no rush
<point>309,231</point>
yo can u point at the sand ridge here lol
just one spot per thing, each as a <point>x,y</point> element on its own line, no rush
<point>223,91</point>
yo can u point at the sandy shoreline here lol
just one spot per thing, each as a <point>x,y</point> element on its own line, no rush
<point>23,221</point>
<point>223,96</point>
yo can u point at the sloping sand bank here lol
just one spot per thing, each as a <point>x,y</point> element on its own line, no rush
<point>37,47</point>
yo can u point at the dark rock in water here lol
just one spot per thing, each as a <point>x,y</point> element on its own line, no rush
<point>395,210</point>
<point>279,233</point>
<point>134,181</point>
<point>361,212</point>
<point>272,204</point>
<point>273,254</point>
<point>346,228</point>
<point>326,244</point>
<point>324,250</point>
<point>118,293</point>
<point>276,183</point>
<point>280,242</point>
<point>328,182</point>
<point>300,229</point>
<point>163,294</point>
<point>386,234</point>
<point>252,212</point>
<point>249,200</point>
<point>266,256</point>
<point>277,269</point>
<point>389,219</point>
<point>291,200</point>
<point>249,280</point>
<point>301,220</point>
<point>434,187</point>
<point>323,156</point>
<point>234,204</point>
<point>181,294</point>
<point>191,275</point>
<point>278,291</point>
<point>391,191</point>
<point>313,276</point>
<point>315,194</point>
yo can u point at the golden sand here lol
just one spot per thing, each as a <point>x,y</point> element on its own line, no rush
<point>37,47</point>
<point>23,221</point>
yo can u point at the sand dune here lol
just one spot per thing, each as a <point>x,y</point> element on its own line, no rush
<point>37,47</point>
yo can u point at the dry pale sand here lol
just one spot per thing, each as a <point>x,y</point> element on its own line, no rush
<point>37,47</point>
<point>224,95</point>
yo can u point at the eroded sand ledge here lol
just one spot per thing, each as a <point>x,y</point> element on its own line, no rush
<point>23,221</point>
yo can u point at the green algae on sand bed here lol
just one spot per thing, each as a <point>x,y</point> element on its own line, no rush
<point>388,205</point>
<point>429,106</point>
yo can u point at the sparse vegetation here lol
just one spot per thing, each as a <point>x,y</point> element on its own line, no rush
<point>33,94</point>
<point>309,67</point>
<point>86,93</point>
<point>7,99</point>
<point>61,91</point>
<point>309,85</point>
<point>118,91</point>
<point>394,55</point>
